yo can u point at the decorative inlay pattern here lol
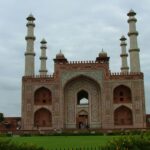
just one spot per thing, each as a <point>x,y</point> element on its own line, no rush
<point>95,74</point>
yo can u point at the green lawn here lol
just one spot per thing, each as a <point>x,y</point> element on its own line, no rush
<point>53,142</point>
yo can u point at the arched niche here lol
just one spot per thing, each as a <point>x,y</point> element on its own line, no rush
<point>42,118</point>
<point>123,116</point>
<point>42,96</point>
<point>122,94</point>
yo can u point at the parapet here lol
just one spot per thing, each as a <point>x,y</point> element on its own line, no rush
<point>83,62</point>
<point>126,75</point>
<point>39,77</point>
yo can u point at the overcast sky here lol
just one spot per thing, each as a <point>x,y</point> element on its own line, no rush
<point>80,28</point>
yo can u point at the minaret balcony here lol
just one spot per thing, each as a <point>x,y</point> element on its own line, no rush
<point>30,38</point>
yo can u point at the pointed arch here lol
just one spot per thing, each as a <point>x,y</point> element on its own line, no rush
<point>82,97</point>
<point>42,118</point>
<point>122,94</point>
<point>82,112</point>
<point>42,96</point>
<point>123,116</point>
<point>82,77</point>
<point>75,89</point>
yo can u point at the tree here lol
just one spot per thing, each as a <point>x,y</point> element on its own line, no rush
<point>1,117</point>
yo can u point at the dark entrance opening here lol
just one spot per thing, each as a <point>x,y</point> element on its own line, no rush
<point>82,98</point>
<point>83,121</point>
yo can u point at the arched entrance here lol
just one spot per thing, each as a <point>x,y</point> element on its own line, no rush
<point>42,118</point>
<point>123,116</point>
<point>82,120</point>
<point>82,93</point>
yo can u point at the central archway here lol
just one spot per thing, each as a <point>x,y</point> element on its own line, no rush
<point>80,89</point>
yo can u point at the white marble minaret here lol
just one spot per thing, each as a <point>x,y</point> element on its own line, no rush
<point>43,58</point>
<point>134,50</point>
<point>124,55</point>
<point>29,54</point>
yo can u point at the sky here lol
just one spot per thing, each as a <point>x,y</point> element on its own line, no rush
<point>80,28</point>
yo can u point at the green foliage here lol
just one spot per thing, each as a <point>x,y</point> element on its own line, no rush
<point>63,142</point>
<point>5,135</point>
<point>26,135</point>
<point>129,143</point>
<point>1,117</point>
<point>8,145</point>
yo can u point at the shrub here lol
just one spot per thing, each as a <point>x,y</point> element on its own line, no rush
<point>1,117</point>
<point>6,135</point>
<point>129,143</point>
<point>8,145</point>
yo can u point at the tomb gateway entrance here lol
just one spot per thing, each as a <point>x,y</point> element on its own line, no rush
<point>82,103</point>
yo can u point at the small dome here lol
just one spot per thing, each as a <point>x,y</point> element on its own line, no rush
<point>131,13</point>
<point>102,54</point>
<point>30,17</point>
<point>60,55</point>
<point>123,38</point>
<point>43,41</point>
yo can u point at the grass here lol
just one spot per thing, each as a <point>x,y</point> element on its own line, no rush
<point>53,142</point>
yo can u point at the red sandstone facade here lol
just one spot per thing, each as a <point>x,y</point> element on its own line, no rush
<point>110,100</point>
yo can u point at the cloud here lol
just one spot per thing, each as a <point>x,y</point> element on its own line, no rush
<point>77,27</point>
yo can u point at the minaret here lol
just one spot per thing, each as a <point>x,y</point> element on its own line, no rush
<point>124,55</point>
<point>29,54</point>
<point>134,50</point>
<point>43,58</point>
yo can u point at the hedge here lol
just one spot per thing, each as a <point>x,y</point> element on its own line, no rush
<point>129,143</point>
<point>8,145</point>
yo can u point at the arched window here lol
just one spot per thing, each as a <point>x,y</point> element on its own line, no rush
<point>42,96</point>
<point>123,116</point>
<point>42,118</point>
<point>82,98</point>
<point>122,94</point>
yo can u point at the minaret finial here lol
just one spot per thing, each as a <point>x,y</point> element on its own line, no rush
<point>131,13</point>
<point>30,17</point>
